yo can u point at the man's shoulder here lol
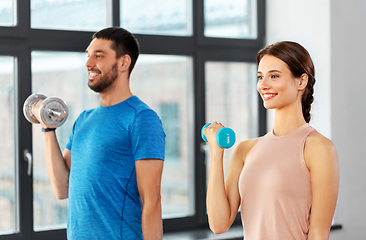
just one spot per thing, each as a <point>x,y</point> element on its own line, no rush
<point>84,115</point>
<point>139,106</point>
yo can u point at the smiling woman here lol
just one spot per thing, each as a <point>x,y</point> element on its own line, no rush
<point>276,84</point>
<point>301,66</point>
<point>286,182</point>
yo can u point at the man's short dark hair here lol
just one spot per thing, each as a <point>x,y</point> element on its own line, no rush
<point>123,43</point>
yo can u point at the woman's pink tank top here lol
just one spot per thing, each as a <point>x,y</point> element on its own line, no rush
<point>275,188</point>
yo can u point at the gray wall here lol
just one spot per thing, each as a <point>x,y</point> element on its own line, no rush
<point>348,107</point>
<point>334,32</point>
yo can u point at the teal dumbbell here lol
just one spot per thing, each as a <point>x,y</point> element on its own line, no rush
<point>225,137</point>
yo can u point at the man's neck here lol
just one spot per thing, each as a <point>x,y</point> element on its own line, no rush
<point>116,93</point>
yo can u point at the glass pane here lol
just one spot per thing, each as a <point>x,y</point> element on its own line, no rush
<point>7,146</point>
<point>159,17</point>
<point>165,84</point>
<point>7,13</point>
<point>231,98</point>
<point>69,15</point>
<point>61,74</point>
<point>230,18</point>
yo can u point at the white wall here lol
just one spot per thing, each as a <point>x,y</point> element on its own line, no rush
<point>308,23</point>
<point>334,32</point>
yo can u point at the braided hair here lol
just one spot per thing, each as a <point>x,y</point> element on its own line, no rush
<point>299,62</point>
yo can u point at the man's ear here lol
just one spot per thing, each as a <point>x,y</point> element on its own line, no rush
<point>303,81</point>
<point>124,63</point>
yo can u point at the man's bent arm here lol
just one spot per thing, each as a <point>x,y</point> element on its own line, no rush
<point>58,165</point>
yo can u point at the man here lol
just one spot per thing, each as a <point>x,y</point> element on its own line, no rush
<point>112,166</point>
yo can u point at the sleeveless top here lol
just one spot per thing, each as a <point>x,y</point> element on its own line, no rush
<point>275,188</point>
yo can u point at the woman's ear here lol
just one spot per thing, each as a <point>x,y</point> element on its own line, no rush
<point>124,63</point>
<point>303,81</point>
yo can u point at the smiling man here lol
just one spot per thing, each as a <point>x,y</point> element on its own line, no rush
<point>112,165</point>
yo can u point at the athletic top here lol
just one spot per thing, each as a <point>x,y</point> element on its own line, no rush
<point>275,188</point>
<point>104,201</point>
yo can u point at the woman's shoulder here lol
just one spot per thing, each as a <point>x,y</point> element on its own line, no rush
<point>318,147</point>
<point>316,141</point>
<point>249,144</point>
<point>246,146</point>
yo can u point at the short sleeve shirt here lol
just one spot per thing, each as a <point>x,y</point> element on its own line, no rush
<point>104,201</point>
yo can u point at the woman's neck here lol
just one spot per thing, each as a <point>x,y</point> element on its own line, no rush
<point>287,121</point>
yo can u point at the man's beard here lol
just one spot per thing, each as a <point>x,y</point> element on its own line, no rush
<point>106,81</point>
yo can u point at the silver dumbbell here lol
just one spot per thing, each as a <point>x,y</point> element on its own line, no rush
<point>52,112</point>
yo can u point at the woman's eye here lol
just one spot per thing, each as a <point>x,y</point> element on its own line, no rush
<point>274,76</point>
<point>259,78</point>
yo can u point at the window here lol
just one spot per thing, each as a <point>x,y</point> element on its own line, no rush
<point>169,113</point>
<point>231,98</point>
<point>160,17</point>
<point>197,64</point>
<point>7,15</point>
<point>60,74</point>
<point>8,201</point>
<point>230,19</point>
<point>165,83</point>
<point>69,15</point>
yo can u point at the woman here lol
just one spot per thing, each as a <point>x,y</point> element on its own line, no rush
<point>286,182</point>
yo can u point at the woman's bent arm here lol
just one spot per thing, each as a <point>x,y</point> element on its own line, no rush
<point>223,198</point>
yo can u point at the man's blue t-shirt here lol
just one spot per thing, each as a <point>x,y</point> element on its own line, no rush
<point>104,201</point>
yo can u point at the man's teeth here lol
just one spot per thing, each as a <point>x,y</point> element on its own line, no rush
<point>93,74</point>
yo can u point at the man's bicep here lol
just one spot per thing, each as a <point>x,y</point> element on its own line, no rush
<point>148,176</point>
<point>67,157</point>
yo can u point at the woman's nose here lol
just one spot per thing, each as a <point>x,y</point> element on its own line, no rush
<point>262,84</point>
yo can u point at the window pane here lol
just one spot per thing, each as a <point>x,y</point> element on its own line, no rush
<point>6,13</point>
<point>69,15</point>
<point>159,17</point>
<point>7,146</point>
<point>165,84</point>
<point>231,98</point>
<point>230,18</point>
<point>64,75</point>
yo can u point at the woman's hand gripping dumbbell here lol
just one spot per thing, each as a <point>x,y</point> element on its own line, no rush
<point>225,137</point>
<point>51,112</point>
